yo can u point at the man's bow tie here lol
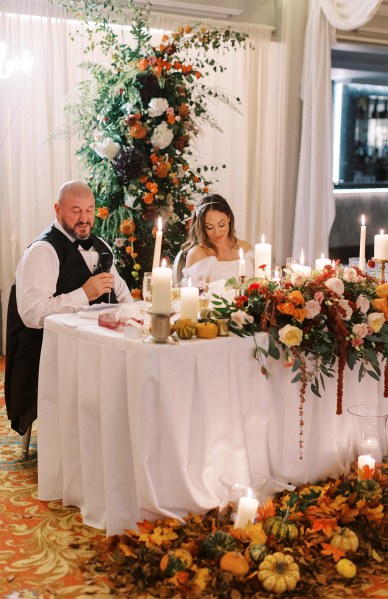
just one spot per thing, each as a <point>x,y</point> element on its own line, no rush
<point>86,244</point>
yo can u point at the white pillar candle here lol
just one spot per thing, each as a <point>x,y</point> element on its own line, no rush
<point>263,252</point>
<point>361,264</point>
<point>366,460</point>
<point>381,246</point>
<point>190,301</point>
<point>161,289</point>
<point>305,270</point>
<point>241,264</point>
<point>158,244</point>
<point>246,511</point>
<point>321,262</point>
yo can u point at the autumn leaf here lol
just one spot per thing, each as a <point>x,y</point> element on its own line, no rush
<point>331,550</point>
<point>256,533</point>
<point>201,578</point>
<point>365,472</point>
<point>145,526</point>
<point>325,524</point>
<point>375,513</point>
<point>160,536</point>
<point>348,514</point>
<point>126,549</point>
<point>267,511</point>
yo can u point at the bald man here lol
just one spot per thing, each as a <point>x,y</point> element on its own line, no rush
<point>59,271</point>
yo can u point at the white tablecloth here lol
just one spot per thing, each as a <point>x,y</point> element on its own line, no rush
<point>128,430</point>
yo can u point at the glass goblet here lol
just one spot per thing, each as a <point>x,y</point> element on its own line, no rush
<point>147,288</point>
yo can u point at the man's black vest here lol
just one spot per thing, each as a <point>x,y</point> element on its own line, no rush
<point>23,344</point>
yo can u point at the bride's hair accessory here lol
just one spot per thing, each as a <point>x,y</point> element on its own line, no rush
<point>202,207</point>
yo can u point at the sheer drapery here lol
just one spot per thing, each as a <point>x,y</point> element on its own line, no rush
<point>36,160</point>
<point>315,204</point>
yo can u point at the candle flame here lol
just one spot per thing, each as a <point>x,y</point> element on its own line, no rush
<point>322,256</point>
<point>189,282</point>
<point>249,492</point>
<point>241,254</point>
<point>160,226</point>
<point>381,231</point>
<point>363,220</point>
<point>301,258</point>
<point>164,263</point>
<point>263,238</point>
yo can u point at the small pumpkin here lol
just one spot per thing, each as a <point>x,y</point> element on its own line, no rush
<point>207,330</point>
<point>234,562</point>
<point>281,529</point>
<point>185,328</point>
<point>174,561</point>
<point>278,573</point>
<point>345,539</point>
<point>255,553</point>
<point>369,489</point>
<point>216,544</point>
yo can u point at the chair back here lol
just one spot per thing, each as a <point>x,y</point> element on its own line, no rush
<point>178,266</point>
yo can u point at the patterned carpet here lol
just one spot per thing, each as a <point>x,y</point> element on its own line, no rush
<point>42,544</point>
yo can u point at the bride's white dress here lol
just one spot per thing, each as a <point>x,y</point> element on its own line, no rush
<point>220,269</point>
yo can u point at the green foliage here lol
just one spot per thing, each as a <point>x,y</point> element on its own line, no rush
<point>136,120</point>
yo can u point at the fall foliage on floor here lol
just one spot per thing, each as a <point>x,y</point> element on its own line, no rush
<point>327,540</point>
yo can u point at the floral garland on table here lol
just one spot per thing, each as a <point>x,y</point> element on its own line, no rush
<point>137,120</point>
<point>338,314</point>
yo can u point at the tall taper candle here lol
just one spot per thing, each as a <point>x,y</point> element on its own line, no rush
<point>361,264</point>
<point>161,289</point>
<point>263,256</point>
<point>158,244</point>
<point>241,264</point>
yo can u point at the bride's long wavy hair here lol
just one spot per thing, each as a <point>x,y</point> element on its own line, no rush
<point>197,233</point>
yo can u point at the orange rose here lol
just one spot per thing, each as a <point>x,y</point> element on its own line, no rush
<point>299,314</point>
<point>142,64</point>
<point>171,119</point>
<point>148,198</point>
<point>152,187</point>
<point>138,131</point>
<point>102,212</point>
<point>286,308</point>
<point>127,227</point>
<point>380,304</point>
<point>296,298</point>
<point>143,179</point>
<point>382,290</point>
<point>154,159</point>
<point>162,170</point>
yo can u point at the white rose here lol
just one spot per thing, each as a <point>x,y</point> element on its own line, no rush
<point>107,148</point>
<point>336,285</point>
<point>290,335</point>
<point>240,318</point>
<point>157,106</point>
<point>376,321</point>
<point>350,274</point>
<point>298,279</point>
<point>162,136</point>
<point>361,330</point>
<point>362,303</point>
<point>345,306</point>
<point>129,200</point>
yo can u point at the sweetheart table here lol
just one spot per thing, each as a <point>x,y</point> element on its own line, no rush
<point>129,430</point>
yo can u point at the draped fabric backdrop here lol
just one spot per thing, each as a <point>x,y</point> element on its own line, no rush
<point>315,204</point>
<point>259,146</point>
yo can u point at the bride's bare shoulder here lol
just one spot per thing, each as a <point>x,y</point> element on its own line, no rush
<point>195,254</point>
<point>244,245</point>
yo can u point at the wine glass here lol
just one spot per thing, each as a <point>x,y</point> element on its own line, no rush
<point>175,295</point>
<point>202,282</point>
<point>147,288</point>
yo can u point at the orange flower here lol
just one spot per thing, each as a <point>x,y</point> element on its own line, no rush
<point>183,110</point>
<point>142,64</point>
<point>196,179</point>
<point>143,179</point>
<point>171,119</point>
<point>132,239</point>
<point>129,250</point>
<point>127,227</point>
<point>185,167</point>
<point>382,290</point>
<point>102,212</point>
<point>296,297</point>
<point>382,305</point>
<point>138,131</point>
<point>177,65</point>
<point>148,198</point>
<point>299,314</point>
<point>152,187</point>
<point>154,159</point>
<point>286,308</point>
<point>198,74</point>
<point>165,38</point>
<point>162,169</point>
<point>188,29</point>
<point>136,294</point>
<point>205,189</point>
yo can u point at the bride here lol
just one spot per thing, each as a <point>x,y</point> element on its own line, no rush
<point>212,249</point>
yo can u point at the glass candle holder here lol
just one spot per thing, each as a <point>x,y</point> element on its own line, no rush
<point>241,500</point>
<point>370,433</point>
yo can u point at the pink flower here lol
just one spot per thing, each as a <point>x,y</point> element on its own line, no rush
<point>319,296</point>
<point>298,279</point>
<point>345,306</point>
<point>240,318</point>
<point>363,304</point>
<point>336,285</point>
<point>357,341</point>
<point>360,330</point>
<point>119,242</point>
<point>350,274</point>
<point>313,308</point>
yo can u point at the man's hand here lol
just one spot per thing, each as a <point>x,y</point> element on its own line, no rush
<point>97,285</point>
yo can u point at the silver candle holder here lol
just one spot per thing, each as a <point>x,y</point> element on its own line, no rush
<point>160,329</point>
<point>382,264</point>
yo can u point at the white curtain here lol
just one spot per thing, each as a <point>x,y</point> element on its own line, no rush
<point>35,160</point>
<point>315,204</point>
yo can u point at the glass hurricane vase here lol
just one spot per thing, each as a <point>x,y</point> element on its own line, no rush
<point>242,496</point>
<point>370,431</point>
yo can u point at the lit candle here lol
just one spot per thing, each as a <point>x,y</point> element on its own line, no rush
<point>241,264</point>
<point>366,460</point>
<point>161,289</point>
<point>306,270</point>
<point>277,274</point>
<point>158,245</point>
<point>362,244</point>
<point>321,262</point>
<point>370,446</point>
<point>381,246</point>
<point>189,301</point>
<point>263,253</point>
<point>246,510</point>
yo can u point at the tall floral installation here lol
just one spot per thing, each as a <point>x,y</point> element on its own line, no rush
<point>137,120</point>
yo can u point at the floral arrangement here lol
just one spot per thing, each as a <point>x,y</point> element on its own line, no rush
<point>137,120</point>
<point>337,314</point>
<point>326,539</point>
